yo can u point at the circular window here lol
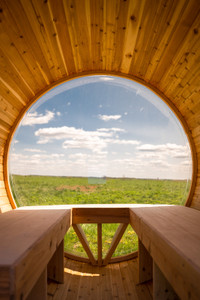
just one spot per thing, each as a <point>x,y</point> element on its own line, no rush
<point>99,139</point>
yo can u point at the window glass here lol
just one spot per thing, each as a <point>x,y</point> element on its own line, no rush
<point>99,139</point>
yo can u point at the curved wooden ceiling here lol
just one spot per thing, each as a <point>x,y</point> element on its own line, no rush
<point>45,42</point>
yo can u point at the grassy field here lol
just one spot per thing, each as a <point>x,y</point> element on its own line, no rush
<point>44,190</point>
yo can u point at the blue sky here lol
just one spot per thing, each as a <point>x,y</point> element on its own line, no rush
<point>101,126</point>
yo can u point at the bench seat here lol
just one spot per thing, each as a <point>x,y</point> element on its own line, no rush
<point>29,241</point>
<point>170,235</point>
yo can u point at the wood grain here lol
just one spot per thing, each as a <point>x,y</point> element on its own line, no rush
<point>84,281</point>
<point>35,234</point>
<point>171,236</point>
<point>43,43</point>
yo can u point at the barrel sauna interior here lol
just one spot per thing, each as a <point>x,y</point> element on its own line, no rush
<point>46,42</point>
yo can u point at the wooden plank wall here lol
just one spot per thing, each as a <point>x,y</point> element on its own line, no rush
<point>45,42</point>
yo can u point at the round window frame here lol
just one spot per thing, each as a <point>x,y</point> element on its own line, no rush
<point>148,85</point>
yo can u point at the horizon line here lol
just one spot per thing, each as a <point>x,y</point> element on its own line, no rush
<point>103,177</point>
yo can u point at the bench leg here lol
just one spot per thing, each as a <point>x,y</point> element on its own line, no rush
<point>145,264</point>
<point>39,291</point>
<point>162,290</point>
<point>55,267</point>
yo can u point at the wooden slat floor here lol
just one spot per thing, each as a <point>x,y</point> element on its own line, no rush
<point>115,281</point>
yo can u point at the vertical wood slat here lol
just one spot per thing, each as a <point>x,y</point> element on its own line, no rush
<point>63,37</point>
<point>82,31</point>
<point>116,239</point>
<point>25,27</point>
<point>49,35</point>
<point>12,102</point>
<point>97,33</point>
<point>132,32</point>
<point>147,14</point>
<point>122,16</point>
<point>41,37</point>
<point>189,13</point>
<point>99,241</point>
<point>12,79</point>
<point>159,37</point>
<point>17,44</point>
<point>81,235</point>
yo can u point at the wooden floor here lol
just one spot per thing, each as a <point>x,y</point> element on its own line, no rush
<point>115,281</point>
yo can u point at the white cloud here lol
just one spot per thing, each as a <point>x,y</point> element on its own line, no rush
<point>18,156</point>
<point>176,151</point>
<point>159,163</point>
<point>34,150</point>
<point>124,142</point>
<point>153,148</point>
<point>78,156</point>
<point>52,164</point>
<point>35,118</point>
<point>46,156</point>
<point>34,158</point>
<point>109,117</point>
<point>65,132</point>
<point>180,155</point>
<point>165,160</point>
<point>43,141</point>
<point>111,129</point>
<point>75,138</point>
<point>139,164</point>
<point>58,113</point>
<point>56,155</point>
<point>68,103</point>
<point>186,163</point>
<point>149,155</point>
<point>172,157</point>
<point>94,144</point>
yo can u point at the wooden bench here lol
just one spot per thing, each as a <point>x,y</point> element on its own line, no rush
<point>31,244</point>
<point>169,239</point>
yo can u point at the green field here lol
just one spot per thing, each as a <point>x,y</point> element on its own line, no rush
<point>44,190</point>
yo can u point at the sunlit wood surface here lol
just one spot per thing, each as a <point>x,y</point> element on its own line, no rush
<point>115,281</point>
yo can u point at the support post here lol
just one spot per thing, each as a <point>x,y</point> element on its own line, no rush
<point>145,264</point>
<point>99,230</point>
<point>55,267</point>
<point>162,290</point>
<point>115,241</point>
<point>39,291</point>
<point>81,235</point>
